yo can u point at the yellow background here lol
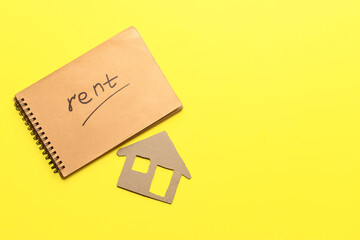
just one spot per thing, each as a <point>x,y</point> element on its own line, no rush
<point>270,129</point>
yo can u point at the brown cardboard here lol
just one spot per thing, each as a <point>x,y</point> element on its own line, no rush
<point>161,152</point>
<point>99,100</point>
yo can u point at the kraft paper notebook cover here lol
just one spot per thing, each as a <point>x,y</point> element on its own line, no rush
<point>96,102</point>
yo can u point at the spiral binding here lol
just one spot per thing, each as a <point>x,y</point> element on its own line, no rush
<point>39,135</point>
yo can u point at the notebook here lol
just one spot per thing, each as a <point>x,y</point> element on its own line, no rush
<point>96,102</point>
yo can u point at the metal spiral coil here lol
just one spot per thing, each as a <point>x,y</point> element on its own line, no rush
<point>39,135</point>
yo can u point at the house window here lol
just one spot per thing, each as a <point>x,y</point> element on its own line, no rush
<point>141,164</point>
<point>161,181</point>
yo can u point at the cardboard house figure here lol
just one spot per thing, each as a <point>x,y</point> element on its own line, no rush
<point>161,152</point>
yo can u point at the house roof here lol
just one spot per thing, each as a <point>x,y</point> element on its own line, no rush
<point>160,150</point>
